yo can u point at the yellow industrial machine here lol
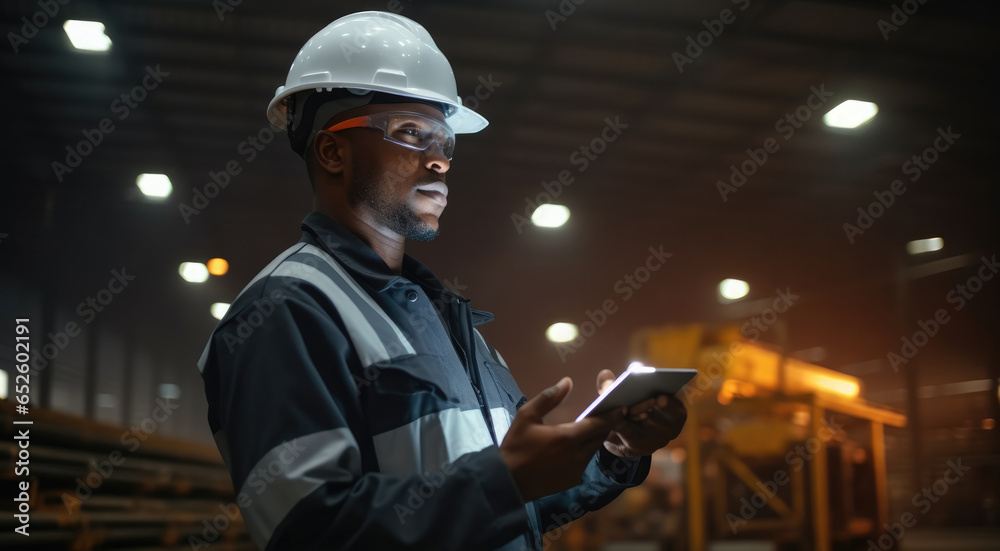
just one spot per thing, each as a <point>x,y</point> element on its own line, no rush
<point>777,448</point>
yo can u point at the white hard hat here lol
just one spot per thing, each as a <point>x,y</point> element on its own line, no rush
<point>381,52</point>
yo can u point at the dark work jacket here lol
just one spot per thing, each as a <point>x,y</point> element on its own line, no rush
<point>358,409</point>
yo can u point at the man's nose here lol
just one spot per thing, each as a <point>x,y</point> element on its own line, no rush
<point>435,159</point>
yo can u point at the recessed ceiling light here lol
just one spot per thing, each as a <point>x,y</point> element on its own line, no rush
<point>733,289</point>
<point>219,309</point>
<point>87,35</point>
<point>561,332</point>
<point>550,216</point>
<point>105,400</point>
<point>195,272</point>
<point>156,186</point>
<point>925,245</point>
<point>170,391</point>
<point>850,114</point>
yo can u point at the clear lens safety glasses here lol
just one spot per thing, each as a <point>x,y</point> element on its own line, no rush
<point>410,130</point>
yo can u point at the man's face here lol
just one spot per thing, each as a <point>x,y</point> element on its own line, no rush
<point>392,187</point>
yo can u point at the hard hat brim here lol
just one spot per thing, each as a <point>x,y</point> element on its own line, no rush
<point>466,121</point>
<point>463,120</point>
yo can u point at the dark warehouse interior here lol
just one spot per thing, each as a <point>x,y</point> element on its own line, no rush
<point>688,141</point>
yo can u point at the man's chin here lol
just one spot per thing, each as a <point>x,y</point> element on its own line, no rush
<point>420,229</point>
<point>425,233</point>
<point>423,227</point>
<point>424,230</point>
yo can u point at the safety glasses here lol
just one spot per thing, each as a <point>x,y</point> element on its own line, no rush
<point>410,130</point>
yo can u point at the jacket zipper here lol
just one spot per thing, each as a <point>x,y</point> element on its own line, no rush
<point>464,311</point>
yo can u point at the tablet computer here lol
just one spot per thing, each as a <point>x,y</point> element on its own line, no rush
<point>637,383</point>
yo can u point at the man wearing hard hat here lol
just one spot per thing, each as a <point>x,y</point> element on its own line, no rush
<point>351,395</point>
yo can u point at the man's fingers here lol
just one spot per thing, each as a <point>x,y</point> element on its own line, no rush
<point>594,442</point>
<point>642,407</point>
<point>668,423</point>
<point>674,413</point>
<point>588,427</point>
<point>547,400</point>
<point>604,380</point>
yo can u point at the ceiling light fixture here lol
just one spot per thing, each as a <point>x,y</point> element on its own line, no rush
<point>850,114</point>
<point>155,186</point>
<point>195,272</point>
<point>920,246</point>
<point>561,332</point>
<point>87,35</point>
<point>733,289</point>
<point>550,216</point>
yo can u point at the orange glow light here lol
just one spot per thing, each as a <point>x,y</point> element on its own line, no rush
<point>839,386</point>
<point>218,266</point>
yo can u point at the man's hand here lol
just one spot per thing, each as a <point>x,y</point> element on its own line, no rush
<point>545,459</point>
<point>646,426</point>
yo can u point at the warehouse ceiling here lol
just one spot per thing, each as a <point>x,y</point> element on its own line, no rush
<point>689,91</point>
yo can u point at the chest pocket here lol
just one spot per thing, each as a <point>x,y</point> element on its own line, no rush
<point>506,385</point>
<point>420,414</point>
<point>401,390</point>
<point>510,398</point>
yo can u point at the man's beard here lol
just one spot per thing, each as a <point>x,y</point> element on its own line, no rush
<point>369,190</point>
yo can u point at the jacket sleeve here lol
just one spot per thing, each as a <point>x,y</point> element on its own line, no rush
<point>284,409</point>
<point>605,478</point>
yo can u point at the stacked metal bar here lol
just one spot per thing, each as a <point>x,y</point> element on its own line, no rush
<point>100,486</point>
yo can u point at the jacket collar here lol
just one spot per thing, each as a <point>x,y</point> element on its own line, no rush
<point>368,268</point>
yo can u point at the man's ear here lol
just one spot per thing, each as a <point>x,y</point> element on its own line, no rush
<point>330,152</point>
